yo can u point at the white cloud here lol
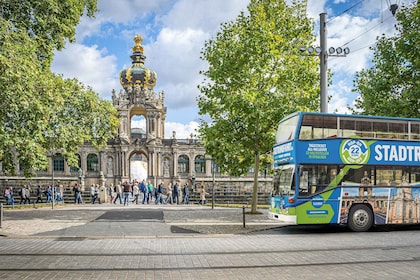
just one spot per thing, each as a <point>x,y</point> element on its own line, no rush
<point>341,97</point>
<point>183,131</point>
<point>174,34</point>
<point>176,54</point>
<point>89,65</point>
<point>204,15</point>
<point>315,7</point>
<point>138,122</point>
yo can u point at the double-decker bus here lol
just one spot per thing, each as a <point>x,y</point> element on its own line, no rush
<point>346,169</point>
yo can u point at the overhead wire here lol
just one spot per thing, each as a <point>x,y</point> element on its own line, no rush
<point>345,11</point>
<point>363,33</point>
<point>373,27</point>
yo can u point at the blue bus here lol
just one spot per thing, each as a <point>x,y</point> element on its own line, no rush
<point>354,170</point>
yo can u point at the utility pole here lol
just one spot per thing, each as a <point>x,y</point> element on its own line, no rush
<point>323,51</point>
<point>323,62</point>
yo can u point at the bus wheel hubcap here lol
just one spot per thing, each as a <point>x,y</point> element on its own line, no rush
<point>360,218</point>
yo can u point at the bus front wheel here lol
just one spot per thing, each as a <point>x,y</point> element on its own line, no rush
<point>360,218</point>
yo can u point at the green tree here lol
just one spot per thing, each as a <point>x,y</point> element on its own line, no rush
<point>255,77</point>
<point>49,22</point>
<point>40,111</point>
<point>391,86</point>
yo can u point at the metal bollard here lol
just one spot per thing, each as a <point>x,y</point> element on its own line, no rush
<point>1,214</point>
<point>243,215</point>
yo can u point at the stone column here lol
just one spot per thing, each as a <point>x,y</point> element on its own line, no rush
<point>175,165</point>
<point>192,164</point>
<point>208,167</point>
<point>103,198</point>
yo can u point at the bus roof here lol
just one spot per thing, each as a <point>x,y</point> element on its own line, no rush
<point>349,116</point>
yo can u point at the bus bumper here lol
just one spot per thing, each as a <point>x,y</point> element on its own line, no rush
<point>287,219</point>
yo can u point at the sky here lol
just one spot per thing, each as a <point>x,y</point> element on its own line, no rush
<point>174,33</point>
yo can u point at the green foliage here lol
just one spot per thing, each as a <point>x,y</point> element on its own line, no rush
<point>255,77</point>
<point>48,22</point>
<point>40,111</point>
<point>391,86</point>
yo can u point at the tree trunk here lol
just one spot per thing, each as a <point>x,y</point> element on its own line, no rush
<point>255,188</point>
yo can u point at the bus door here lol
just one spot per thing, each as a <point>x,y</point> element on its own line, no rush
<point>283,189</point>
<point>317,202</point>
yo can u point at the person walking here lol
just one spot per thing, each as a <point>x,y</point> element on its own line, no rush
<point>38,194</point>
<point>22,193</point>
<point>11,200</point>
<point>176,193</point>
<point>186,193</point>
<point>92,194</point>
<point>75,193</point>
<point>77,189</point>
<point>169,194</point>
<point>118,192</point>
<point>150,191</point>
<point>27,194</point>
<point>111,192</point>
<point>202,195</point>
<point>96,195</point>
<point>7,195</point>
<point>127,191</point>
<point>143,189</point>
<point>48,192</point>
<point>159,192</point>
<point>60,194</point>
<point>136,193</point>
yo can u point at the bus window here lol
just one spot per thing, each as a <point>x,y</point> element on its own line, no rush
<point>359,176</point>
<point>415,176</point>
<point>395,175</point>
<point>364,128</point>
<point>283,180</point>
<point>415,131</point>
<point>318,127</point>
<point>380,129</point>
<point>398,130</point>
<point>286,130</point>
<point>347,127</point>
<point>315,178</point>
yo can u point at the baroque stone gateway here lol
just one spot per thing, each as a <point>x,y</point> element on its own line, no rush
<point>145,154</point>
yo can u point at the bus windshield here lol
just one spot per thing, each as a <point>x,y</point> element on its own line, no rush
<point>283,180</point>
<point>287,129</point>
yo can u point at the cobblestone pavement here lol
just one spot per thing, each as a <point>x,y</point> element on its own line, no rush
<point>198,253</point>
<point>192,218</point>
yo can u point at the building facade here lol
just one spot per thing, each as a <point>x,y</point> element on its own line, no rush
<point>138,154</point>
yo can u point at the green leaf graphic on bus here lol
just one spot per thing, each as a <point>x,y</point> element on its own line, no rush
<point>354,151</point>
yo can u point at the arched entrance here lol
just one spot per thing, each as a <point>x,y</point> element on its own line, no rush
<point>138,167</point>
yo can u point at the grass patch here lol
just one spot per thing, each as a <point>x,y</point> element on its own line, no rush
<point>240,206</point>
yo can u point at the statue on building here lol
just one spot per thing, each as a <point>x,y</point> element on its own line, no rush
<point>166,167</point>
<point>109,167</point>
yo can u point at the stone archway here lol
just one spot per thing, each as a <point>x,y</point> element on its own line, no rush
<point>138,167</point>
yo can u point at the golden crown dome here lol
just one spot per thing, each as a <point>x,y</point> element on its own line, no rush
<point>137,74</point>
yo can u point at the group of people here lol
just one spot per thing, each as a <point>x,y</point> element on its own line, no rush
<point>24,193</point>
<point>135,192</point>
<point>125,192</point>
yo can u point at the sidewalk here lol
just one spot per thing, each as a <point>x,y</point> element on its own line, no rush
<point>138,220</point>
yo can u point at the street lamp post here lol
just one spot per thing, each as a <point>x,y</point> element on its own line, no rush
<point>52,187</point>
<point>212,190</point>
